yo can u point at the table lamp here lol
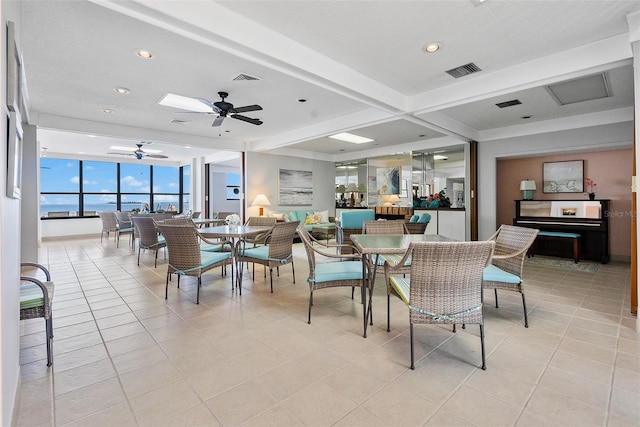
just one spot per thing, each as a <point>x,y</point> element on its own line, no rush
<point>394,199</point>
<point>261,200</point>
<point>527,187</point>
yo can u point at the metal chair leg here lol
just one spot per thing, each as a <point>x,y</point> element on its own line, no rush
<point>413,366</point>
<point>484,365</point>
<point>524,305</point>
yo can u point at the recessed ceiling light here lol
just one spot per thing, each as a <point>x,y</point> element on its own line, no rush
<point>526,117</point>
<point>145,54</point>
<point>302,100</point>
<point>477,2</point>
<point>107,110</point>
<point>122,90</point>
<point>349,137</point>
<point>432,47</point>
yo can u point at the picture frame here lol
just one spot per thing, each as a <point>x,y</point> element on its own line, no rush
<point>13,69</point>
<point>14,155</point>
<point>295,187</point>
<point>563,177</point>
<point>388,180</point>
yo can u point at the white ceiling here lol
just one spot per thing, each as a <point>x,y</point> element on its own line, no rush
<point>359,65</point>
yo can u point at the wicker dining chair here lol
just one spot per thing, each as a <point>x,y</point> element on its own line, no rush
<point>109,224</point>
<point>148,238</point>
<point>277,250</point>
<point>259,221</point>
<point>185,256</point>
<point>445,286</point>
<point>395,226</point>
<point>36,298</point>
<point>345,270</point>
<point>124,226</point>
<point>505,271</point>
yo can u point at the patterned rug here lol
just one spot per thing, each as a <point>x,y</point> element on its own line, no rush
<point>552,262</point>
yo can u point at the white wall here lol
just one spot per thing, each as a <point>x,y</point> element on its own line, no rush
<point>262,177</point>
<point>10,224</point>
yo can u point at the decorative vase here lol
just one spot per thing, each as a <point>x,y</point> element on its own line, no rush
<point>592,196</point>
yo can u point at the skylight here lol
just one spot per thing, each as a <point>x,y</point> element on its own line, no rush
<point>184,103</point>
<point>349,137</point>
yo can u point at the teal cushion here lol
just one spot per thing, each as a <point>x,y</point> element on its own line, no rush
<point>355,218</point>
<point>31,295</point>
<point>425,217</point>
<point>394,259</point>
<point>209,258</point>
<point>206,247</point>
<point>402,287</point>
<point>414,218</point>
<point>558,234</point>
<point>342,270</point>
<point>494,274</point>
<point>261,252</point>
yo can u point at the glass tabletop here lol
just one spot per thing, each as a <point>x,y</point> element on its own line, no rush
<point>227,231</point>
<point>392,243</point>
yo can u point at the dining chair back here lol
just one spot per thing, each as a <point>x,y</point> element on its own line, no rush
<point>505,272</point>
<point>351,222</point>
<point>345,269</point>
<point>277,250</point>
<point>125,226</point>
<point>148,235</point>
<point>259,221</point>
<point>36,298</point>
<point>185,256</point>
<point>109,223</point>
<point>445,285</point>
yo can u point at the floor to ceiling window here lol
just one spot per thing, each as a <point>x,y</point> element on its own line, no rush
<point>74,188</point>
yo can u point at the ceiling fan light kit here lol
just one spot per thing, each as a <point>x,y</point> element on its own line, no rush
<point>139,153</point>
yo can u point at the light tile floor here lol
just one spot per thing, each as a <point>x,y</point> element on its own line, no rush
<point>125,356</point>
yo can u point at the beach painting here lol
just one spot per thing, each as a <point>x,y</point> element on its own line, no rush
<point>388,180</point>
<point>295,188</point>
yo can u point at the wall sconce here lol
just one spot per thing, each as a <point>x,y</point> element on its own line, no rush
<point>261,200</point>
<point>527,187</point>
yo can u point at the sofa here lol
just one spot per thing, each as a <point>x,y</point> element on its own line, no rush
<point>308,218</point>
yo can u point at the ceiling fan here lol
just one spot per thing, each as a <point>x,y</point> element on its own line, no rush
<point>221,108</point>
<point>139,153</point>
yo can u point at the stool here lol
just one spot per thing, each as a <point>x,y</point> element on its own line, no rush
<point>560,235</point>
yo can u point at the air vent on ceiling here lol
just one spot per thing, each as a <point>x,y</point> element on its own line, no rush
<point>508,103</point>
<point>582,89</point>
<point>245,78</point>
<point>463,70</point>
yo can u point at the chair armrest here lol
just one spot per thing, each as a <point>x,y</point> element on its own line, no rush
<point>39,266</point>
<point>45,291</point>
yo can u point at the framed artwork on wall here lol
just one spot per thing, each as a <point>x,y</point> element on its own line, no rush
<point>295,188</point>
<point>563,177</point>
<point>14,155</point>
<point>388,180</point>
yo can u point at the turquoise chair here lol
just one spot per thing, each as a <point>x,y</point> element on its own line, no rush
<point>351,222</point>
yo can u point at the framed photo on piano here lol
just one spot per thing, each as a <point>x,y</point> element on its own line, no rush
<point>563,177</point>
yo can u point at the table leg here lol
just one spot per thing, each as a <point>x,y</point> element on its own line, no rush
<point>239,265</point>
<point>365,313</point>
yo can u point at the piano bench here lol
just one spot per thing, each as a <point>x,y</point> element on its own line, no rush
<point>560,235</point>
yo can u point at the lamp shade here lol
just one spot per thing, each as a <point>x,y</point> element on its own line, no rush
<point>362,188</point>
<point>527,185</point>
<point>352,188</point>
<point>394,198</point>
<point>261,200</point>
<point>341,189</point>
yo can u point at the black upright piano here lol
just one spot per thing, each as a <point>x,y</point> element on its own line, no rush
<point>589,218</point>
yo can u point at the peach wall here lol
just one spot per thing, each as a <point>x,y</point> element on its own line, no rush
<point>611,170</point>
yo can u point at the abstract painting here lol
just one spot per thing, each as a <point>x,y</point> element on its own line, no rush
<point>563,177</point>
<point>295,188</point>
<point>388,180</point>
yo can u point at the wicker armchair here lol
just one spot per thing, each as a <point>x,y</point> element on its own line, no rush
<point>277,250</point>
<point>148,238</point>
<point>36,297</point>
<point>185,256</point>
<point>347,272</point>
<point>395,226</point>
<point>445,286</point>
<point>109,224</point>
<point>259,221</point>
<point>505,271</point>
<point>351,223</point>
<point>125,226</point>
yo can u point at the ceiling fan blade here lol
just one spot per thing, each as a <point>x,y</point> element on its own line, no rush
<point>217,121</point>
<point>156,156</point>
<point>247,119</point>
<point>209,104</point>
<point>247,108</point>
<point>123,154</point>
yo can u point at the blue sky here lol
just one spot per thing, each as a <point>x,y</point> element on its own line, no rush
<point>63,175</point>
